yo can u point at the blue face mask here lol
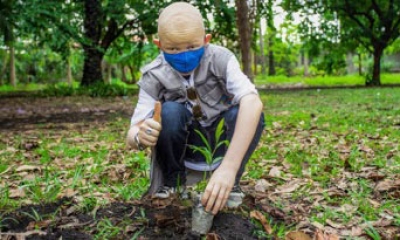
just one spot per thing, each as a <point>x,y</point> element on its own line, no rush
<point>185,62</point>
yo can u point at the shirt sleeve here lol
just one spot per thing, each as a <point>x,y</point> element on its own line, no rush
<point>144,107</point>
<point>238,84</point>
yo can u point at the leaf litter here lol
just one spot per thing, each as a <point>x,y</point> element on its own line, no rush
<point>33,129</point>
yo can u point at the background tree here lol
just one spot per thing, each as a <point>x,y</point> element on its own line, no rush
<point>245,34</point>
<point>8,18</point>
<point>103,24</point>
<point>271,36</point>
<point>97,24</point>
<point>374,24</point>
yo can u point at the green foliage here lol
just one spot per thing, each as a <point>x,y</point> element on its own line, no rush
<point>133,55</point>
<point>209,151</point>
<point>5,201</point>
<point>99,89</point>
<point>37,192</point>
<point>105,90</point>
<point>58,90</point>
<point>372,25</point>
<point>106,229</point>
<point>285,48</point>
<point>320,81</point>
<point>373,233</point>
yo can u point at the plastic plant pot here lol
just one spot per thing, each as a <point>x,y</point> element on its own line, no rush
<point>202,221</point>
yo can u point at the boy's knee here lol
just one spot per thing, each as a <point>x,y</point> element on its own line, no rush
<point>173,116</point>
<point>172,110</point>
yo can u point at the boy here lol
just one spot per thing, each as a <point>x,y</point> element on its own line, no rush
<point>198,84</point>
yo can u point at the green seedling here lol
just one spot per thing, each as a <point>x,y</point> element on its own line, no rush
<point>209,152</point>
<point>106,229</point>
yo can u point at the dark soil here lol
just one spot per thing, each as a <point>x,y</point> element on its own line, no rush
<point>150,220</point>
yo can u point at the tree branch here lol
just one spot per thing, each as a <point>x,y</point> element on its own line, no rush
<point>375,6</point>
<point>113,32</point>
<point>352,15</point>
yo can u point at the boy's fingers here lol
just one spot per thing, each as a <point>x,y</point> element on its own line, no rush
<point>157,112</point>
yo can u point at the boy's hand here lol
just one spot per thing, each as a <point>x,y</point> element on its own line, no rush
<point>150,129</point>
<point>218,189</point>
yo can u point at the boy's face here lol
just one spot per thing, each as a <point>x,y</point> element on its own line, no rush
<point>177,43</point>
<point>181,28</point>
<point>182,36</point>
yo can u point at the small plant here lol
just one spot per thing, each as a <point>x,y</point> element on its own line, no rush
<point>5,197</point>
<point>201,219</point>
<point>106,229</point>
<point>35,216</point>
<point>373,233</point>
<point>46,193</point>
<point>208,152</point>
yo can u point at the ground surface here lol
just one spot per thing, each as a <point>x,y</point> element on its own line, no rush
<point>328,162</point>
<point>146,221</point>
<point>64,219</point>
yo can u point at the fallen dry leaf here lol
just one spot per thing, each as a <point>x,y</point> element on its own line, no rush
<point>16,193</point>
<point>334,224</point>
<point>275,172</point>
<point>287,188</point>
<point>38,225</point>
<point>320,235</point>
<point>26,168</point>
<point>297,236</point>
<point>212,236</point>
<point>262,185</point>
<point>21,236</point>
<point>356,231</point>
<point>387,185</point>
<point>260,217</point>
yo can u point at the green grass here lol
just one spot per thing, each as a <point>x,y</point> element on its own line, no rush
<point>322,137</point>
<point>319,81</point>
<point>41,86</point>
<point>327,141</point>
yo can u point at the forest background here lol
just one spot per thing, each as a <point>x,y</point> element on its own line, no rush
<point>81,43</point>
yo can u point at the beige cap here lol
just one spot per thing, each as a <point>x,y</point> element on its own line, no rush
<point>180,21</point>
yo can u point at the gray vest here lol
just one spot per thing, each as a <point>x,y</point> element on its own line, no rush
<point>163,83</point>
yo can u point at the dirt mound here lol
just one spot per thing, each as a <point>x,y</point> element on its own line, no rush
<point>67,219</point>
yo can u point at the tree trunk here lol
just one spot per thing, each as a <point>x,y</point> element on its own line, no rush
<point>69,71</point>
<point>123,73</point>
<point>376,72</point>
<point>243,24</point>
<point>349,62</point>
<point>305,63</point>
<point>271,58</point>
<point>92,67</point>
<point>108,73</point>
<point>262,56</point>
<point>360,64</point>
<point>132,70</point>
<point>93,52</point>
<point>13,78</point>
<point>255,71</point>
<point>3,68</point>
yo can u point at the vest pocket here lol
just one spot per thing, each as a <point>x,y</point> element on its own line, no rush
<point>173,94</point>
<point>212,97</point>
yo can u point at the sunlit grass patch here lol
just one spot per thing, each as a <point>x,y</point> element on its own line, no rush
<point>321,81</point>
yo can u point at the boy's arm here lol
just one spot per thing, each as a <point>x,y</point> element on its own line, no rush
<point>223,179</point>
